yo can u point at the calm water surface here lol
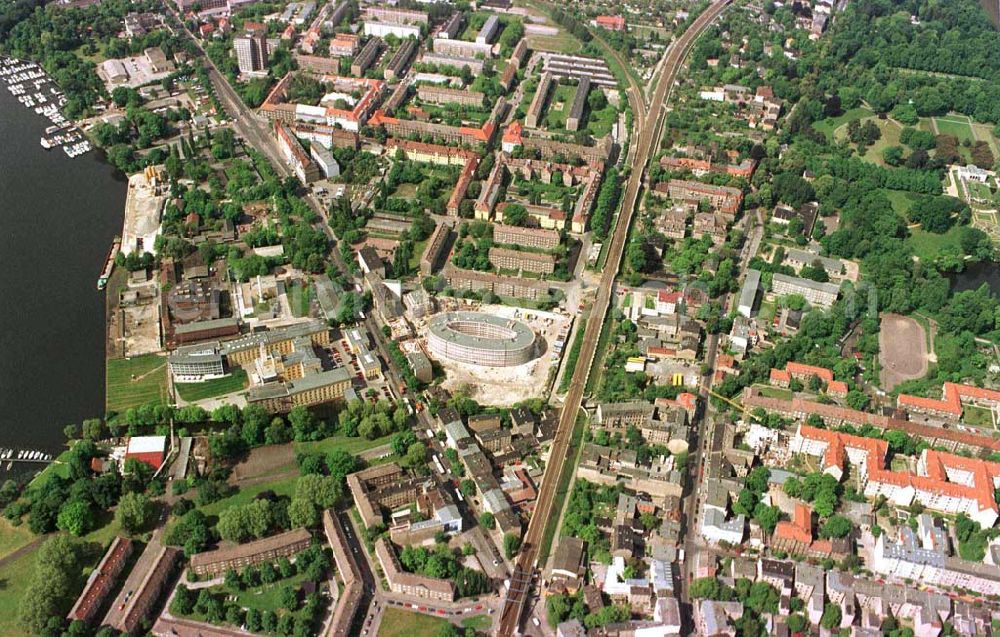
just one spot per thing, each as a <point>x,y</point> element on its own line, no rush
<point>57,220</point>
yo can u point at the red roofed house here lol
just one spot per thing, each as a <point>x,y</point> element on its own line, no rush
<point>149,449</point>
<point>794,536</point>
<point>802,373</point>
<point>686,401</point>
<point>950,406</point>
<point>511,137</point>
<point>611,22</point>
<point>943,482</point>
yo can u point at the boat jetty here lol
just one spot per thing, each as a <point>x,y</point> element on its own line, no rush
<point>27,82</point>
<point>11,456</point>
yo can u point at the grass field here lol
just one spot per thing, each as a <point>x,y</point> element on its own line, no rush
<point>901,201</point>
<point>928,245</point>
<point>480,623</point>
<point>192,392</point>
<point>829,125</point>
<point>13,537</point>
<point>561,43</point>
<point>14,580</point>
<point>281,486</point>
<point>956,125</point>
<point>57,468</point>
<point>890,137</point>
<point>977,417</point>
<point>265,597</point>
<point>350,445</point>
<point>775,392</point>
<point>300,294</point>
<point>136,381</point>
<point>560,102</point>
<point>401,623</point>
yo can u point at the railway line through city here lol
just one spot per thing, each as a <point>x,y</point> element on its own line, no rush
<point>521,581</point>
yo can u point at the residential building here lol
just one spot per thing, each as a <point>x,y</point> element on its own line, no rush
<point>944,482</point>
<point>955,397</point>
<point>367,56</point>
<point>804,374</point>
<point>725,199</point>
<point>252,51</point>
<point>295,155</point>
<point>462,48</point>
<point>102,580</point>
<point>748,293</point>
<point>489,31</point>
<point>405,583</point>
<point>444,95</point>
<point>383,29</point>
<point>815,293</point>
<point>526,237</point>
<point>236,558</point>
<point>533,116</point>
<point>579,103</point>
<point>436,249</point>
<point>324,161</point>
<point>401,60</point>
<point>508,259</point>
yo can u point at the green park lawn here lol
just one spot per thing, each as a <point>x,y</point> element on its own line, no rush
<point>193,392</point>
<point>890,136</point>
<point>353,445</point>
<point>599,123</point>
<point>830,125</point>
<point>562,42</point>
<point>401,623</point>
<point>977,417</point>
<point>775,392</point>
<point>300,295</point>
<point>266,597</point>
<point>927,245</point>
<point>14,580</point>
<point>57,468</point>
<point>957,125</point>
<point>13,537</point>
<point>560,102</point>
<point>281,486</point>
<point>136,381</point>
<point>478,623</point>
<point>901,200</point>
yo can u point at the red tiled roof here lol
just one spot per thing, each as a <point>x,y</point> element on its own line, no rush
<point>951,403</point>
<point>809,370</point>
<point>799,528</point>
<point>512,134</point>
<point>935,463</point>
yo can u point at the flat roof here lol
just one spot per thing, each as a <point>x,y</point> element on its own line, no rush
<point>146,444</point>
<point>750,286</point>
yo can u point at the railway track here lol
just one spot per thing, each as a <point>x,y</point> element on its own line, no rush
<point>521,581</point>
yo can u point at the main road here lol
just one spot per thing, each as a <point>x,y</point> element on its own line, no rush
<point>519,590</point>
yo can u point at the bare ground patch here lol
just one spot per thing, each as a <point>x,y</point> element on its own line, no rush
<point>902,350</point>
<point>264,461</point>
